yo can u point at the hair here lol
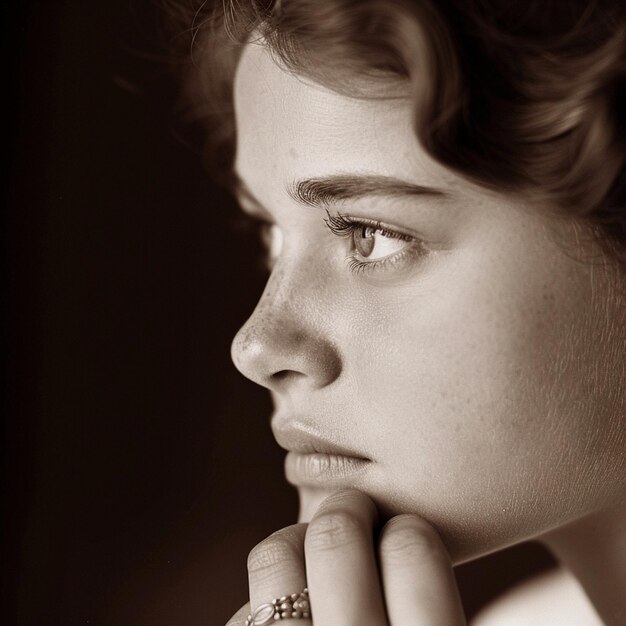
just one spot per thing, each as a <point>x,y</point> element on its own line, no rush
<point>526,97</point>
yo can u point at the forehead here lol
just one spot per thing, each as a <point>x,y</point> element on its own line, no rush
<point>289,127</point>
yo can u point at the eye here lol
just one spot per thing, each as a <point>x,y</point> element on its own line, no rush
<point>374,246</point>
<point>376,243</point>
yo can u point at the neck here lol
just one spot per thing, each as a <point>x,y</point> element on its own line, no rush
<point>594,550</point>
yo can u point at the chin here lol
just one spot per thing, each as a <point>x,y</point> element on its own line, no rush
<point>464,539</point>
<point>310,498</point>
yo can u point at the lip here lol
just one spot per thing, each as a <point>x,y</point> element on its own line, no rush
<point>296,436</point>
<point>313,460</point>
<point>330,470</point>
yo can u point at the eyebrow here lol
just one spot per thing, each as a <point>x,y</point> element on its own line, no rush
<point>320,192</point>
<point>324,191</point>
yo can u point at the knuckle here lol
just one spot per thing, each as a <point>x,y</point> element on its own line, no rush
<point>407,537</point>
<point>332,530</point>
<point>273,551</point>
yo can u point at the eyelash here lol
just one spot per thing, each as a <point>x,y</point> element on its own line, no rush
<point>345,227</point>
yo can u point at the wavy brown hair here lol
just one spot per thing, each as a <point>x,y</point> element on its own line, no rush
<point>523,96</point>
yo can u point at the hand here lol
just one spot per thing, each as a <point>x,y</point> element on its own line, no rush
<point>406,580</point>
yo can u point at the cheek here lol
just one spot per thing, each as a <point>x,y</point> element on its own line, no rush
<point>482,415</point>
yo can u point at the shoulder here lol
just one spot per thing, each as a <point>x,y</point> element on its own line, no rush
<point>549,599</point>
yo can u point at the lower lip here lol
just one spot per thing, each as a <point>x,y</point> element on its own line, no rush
<point>323,469</point>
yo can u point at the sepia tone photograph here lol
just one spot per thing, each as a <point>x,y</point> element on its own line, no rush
<point>315,312</point>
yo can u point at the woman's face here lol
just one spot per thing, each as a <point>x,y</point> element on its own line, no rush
<point>455,346</point>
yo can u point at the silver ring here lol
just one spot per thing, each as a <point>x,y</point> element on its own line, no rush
<point>295,606</point>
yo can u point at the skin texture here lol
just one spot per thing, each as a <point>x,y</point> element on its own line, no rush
<point>483,380</point>
<point>406,579</point>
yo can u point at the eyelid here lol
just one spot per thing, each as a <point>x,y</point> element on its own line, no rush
<point>343,226</point>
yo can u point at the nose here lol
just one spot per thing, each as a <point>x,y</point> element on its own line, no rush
<point>284,343</point>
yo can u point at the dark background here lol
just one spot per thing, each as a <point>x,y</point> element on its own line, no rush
<point>139,466</point>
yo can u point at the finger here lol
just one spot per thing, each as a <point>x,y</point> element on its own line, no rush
<point>341,570</point>
<point>417,575</point>
<point>276,567</point>
<point>239,618</point>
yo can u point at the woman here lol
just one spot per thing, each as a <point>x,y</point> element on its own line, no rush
<point>443,329</point>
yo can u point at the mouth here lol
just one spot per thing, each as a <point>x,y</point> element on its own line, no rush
<point>313,460</point>
<point>330,470</point>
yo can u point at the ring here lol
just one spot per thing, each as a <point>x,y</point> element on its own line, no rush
<point>295,606</point>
